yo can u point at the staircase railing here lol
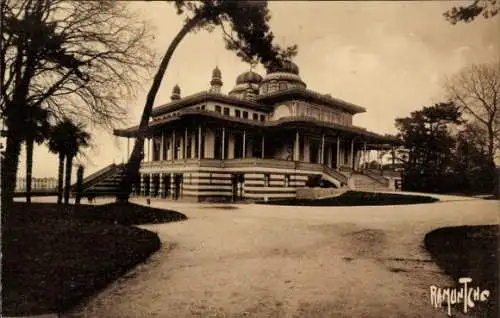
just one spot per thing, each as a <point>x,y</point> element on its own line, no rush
<point>377,177</point>
<point>335,174</point>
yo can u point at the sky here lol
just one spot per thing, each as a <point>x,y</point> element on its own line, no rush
<point>390,57</point>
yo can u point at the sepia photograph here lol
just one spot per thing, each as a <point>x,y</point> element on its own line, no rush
<point>223,158</point>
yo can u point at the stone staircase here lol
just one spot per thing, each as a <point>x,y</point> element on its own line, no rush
<point>366,182</point>
<point>104,182</point>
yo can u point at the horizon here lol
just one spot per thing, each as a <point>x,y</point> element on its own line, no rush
<point>389,57</point>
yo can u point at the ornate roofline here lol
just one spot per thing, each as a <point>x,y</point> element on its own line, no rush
<point>207,96</point>
<point>283,122</point>
<point>309,95</point>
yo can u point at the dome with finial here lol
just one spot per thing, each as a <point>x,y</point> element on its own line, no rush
<point>216,73</point>
<point>248,77</point>
<point>247,85</point>
<point>281,77</point>
<point>176,89</point>
<point>176,92</point>
<point>285,67</point>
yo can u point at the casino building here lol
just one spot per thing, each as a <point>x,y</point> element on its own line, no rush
<point>262,140</point>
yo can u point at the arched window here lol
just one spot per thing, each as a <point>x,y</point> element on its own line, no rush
<point>283,86</point>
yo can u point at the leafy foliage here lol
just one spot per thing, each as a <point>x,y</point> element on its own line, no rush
<point>486,8</point>
<point>444,152</point>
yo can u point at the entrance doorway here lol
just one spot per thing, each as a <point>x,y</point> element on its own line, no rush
<point>177,190</point>
<point>238,181</point>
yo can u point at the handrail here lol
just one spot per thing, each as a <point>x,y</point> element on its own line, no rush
<point>335,174</point>
<point>378,178</point>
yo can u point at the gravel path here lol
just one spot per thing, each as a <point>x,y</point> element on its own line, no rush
<point>272,261</point>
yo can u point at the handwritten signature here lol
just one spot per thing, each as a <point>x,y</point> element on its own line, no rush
<point>467,294</point>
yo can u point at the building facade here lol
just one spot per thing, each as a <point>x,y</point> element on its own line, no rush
<point>262,140</point>
<point>37,184</point>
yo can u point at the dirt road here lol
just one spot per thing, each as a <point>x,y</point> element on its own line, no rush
<point>272,261</point>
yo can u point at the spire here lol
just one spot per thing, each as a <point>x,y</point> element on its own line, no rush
<point>216,82</point>
<point>176,93</point>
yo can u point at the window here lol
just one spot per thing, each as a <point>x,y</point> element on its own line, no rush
<point>237,113</point>
<point>218,109</point>
<point>267,179</point>
<point>203,107</point>
<point>226,111</point>
<point>245,115</point>
<point>255,116</point>
<point>287,180</point>
<point>262,117</point>
<point>283,86</point>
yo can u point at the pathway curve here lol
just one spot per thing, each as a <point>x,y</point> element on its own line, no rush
<point>272,261</point>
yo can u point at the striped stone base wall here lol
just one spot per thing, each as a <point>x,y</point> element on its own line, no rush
<point>216,185</point>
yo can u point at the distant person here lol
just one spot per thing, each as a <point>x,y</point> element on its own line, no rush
<point>148,201</point>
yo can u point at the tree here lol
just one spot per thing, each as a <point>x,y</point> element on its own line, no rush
<point>468,13</point>
<point>472,165</point>
<point>426,136</point>
<point>476,90</point>
<point>74,58</point>
<point>245,25</point>
<point>66,139</point>
<point>36,129</point>
<point>76,139</point>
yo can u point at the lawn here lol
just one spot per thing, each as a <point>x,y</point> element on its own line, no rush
<point>56,256</point>
<point>469,251</point>
<point>358,198</point>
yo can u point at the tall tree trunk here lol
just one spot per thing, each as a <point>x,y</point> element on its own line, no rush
<point>67,183</point>
<point>79,184</point>
<point>29,168</point>
<point>134,162</point>
<point>9,168</point>
<point>60,177</point>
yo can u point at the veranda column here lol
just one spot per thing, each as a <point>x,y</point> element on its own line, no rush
<point>223,143</point>
<point>199,142</point>
<point>322,153</point>
<point>244,143</point>
<point>162,146</point>
<point>338,152</point>
<point>364,154</point>
<point>352,153</point>
<point>128,147</point>
<point>185,143</point>
<point>174,146</point>
<point>296,150</point>
<point>262,155</point>
<point>151,147</point>
<point>162,185</point>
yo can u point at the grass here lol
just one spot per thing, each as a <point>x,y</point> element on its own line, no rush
<point>56,256</point>
<point>469,251</point>
<point>358,198</point>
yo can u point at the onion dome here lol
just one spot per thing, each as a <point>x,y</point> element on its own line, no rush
<point>216,73</point>
<point>248,77</point>
<point>247,85</point>
<point>176,93</point>
<point>216,82</point>
<point>285,67</point>
<point>281,77</point>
